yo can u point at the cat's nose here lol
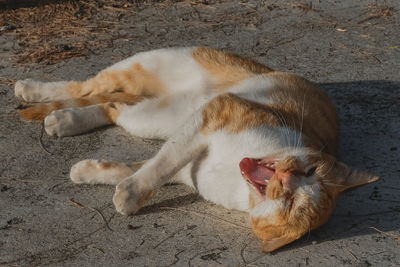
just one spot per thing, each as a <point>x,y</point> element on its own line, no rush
<point>287,179</point>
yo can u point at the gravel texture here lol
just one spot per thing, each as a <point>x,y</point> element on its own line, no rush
<point>351,48</point>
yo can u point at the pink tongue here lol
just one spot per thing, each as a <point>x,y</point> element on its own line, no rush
<point>254,171</point>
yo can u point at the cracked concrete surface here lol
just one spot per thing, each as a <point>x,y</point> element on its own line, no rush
<point>345,46</point>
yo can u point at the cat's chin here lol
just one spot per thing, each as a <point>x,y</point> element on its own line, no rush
<point>258,173</point>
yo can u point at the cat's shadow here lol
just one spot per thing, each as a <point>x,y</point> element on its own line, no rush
<point>175,202</point>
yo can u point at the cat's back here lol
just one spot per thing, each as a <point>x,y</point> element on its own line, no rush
<point>308,110</point>
<point>298,100</point>
<point>276,99</point>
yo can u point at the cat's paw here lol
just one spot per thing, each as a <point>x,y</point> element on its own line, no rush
<point>27,90</point>
<point>35,91</point>
<point>93,171</point>
<point>60,123</point>
<point>128,197</point>
<point>82,172</point>
<point>63,122</point>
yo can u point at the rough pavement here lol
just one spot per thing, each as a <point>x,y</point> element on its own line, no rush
<point>352,48</point>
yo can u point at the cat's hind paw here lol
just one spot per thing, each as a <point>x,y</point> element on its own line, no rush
<point>35,91</point>
<point>62,122</point>
<point>27,90</point>
<point>128,199</point>
<point>74,121</point>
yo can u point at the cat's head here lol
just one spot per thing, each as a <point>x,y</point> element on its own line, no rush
<point>294,192</point>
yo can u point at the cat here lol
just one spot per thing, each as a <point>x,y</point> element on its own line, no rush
<point>245,136</point>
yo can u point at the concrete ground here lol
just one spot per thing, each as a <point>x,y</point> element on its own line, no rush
<point>352,48</point>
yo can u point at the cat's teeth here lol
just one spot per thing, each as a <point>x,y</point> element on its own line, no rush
<point>270,165</point>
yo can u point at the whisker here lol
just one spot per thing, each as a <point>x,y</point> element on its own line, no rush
<point>295,138</point>
<point>286,128</point>
<point>283,121</point>
<point>302,118</point>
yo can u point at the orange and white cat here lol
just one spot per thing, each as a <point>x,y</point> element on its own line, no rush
<point>245,136</point>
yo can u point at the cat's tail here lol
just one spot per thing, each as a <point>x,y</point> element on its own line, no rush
<point>40,111</point>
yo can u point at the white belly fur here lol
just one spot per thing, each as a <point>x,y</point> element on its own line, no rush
<point>218,178</point>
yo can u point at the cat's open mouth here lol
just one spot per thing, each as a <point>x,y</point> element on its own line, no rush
<point>258,172</point>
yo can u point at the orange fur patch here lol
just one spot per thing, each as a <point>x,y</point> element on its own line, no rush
<point>227,69</point>
<point>112,111</point>
<point>234,114</point>
<point>110,165</point>
<point>85,101</point>
<point>40,111</point>
<point>135,81</point>
<point>124,169</point>
<point>120,169</point>
<point>294,100</point>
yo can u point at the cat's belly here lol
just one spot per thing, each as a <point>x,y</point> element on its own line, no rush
<point>216,174</point>
<point>218,182</point>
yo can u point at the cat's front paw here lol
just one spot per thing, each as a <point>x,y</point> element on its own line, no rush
<point>27,90</point>
<point>128,198</point>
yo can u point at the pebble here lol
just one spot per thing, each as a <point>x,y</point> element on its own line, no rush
<point>7,28</point>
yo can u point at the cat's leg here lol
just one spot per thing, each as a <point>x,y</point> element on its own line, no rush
<point>35,91</point>
<point>150,118</point>
<point>186,144</point>
<point>132,79</point>
<point>105,82</point>
<point>160,117</point>
<point>41,110</point>
<point>74,121</point>
<point>91,171</point>
<point>150,73</point>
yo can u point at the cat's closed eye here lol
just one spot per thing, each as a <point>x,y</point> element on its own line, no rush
<point>310,171</point>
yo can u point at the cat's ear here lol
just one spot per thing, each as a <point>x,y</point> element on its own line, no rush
<point>349,178</point>
<point>275,243</point>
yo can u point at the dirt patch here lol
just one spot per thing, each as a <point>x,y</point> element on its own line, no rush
<point>48,32</point>
<point>60,30</point>
<point>52,31</point>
